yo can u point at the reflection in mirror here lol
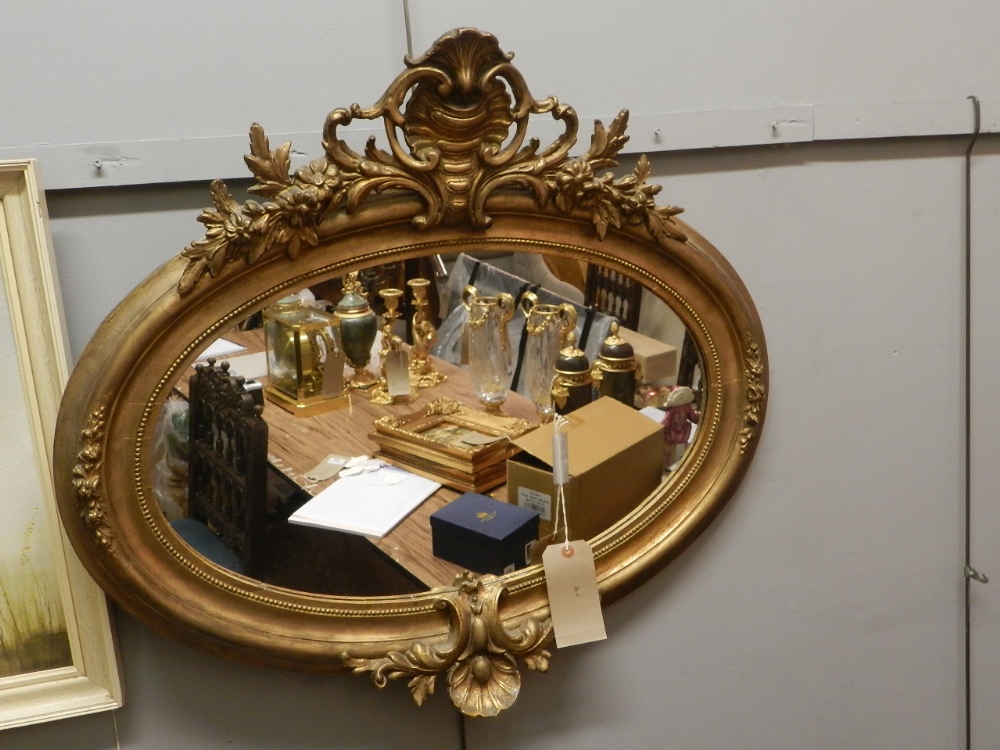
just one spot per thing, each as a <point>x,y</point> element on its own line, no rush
<point>235,460</point>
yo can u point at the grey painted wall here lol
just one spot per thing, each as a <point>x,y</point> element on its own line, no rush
<point>115,93</point>
<point>824,608</point>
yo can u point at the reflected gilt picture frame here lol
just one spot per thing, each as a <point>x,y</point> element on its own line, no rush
<point>449,442</point>
<point>57,645</point>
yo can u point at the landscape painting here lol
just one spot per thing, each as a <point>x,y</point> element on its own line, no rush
<point>33,633</point>
<point>57,651</point>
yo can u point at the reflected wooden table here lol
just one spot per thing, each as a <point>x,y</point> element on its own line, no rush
<point>297,444</point>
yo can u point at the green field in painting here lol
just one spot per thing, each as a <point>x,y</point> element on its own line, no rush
<point>32,627</point>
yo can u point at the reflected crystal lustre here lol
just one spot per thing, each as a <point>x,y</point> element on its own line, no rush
<point>490,363</point>
<point>546,327</point>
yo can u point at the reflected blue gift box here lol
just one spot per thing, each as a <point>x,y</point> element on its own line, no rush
<point>483,534</point>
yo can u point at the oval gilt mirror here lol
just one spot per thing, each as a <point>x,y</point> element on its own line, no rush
<point>458,196</point>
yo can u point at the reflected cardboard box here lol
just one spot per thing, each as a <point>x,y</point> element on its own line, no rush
<point>657,361</point>
<point>615,462</point>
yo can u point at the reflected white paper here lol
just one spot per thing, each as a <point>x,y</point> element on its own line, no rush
<point>250,366</point>
<point>372,503</point>
<point>221,348</point>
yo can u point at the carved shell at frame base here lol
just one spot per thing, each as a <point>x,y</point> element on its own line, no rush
<point>478,657</point>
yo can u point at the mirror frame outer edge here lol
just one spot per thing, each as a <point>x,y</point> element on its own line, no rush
<point>152,575</point>
<point>477,630</point>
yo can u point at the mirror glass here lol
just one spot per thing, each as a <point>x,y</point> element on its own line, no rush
<point>304,453</point>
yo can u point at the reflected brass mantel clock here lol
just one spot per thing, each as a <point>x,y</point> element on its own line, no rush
<point>456,173</point>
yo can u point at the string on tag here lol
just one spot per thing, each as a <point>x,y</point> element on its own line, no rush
<point>570,574</point>
<point>560,476</point>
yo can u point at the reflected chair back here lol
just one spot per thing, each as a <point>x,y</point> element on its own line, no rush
<point>228,462</point>
<point>615,294</point>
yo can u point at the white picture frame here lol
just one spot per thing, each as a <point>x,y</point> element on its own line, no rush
<point>88,678</point>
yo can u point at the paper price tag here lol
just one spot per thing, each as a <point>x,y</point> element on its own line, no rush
<point>571,581</point>
<point>333,376</point>
<point>397,373</point>
<point>326,468</point>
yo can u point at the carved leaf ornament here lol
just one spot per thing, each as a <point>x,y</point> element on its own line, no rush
<point>87,480</point>
<point>466,101</point>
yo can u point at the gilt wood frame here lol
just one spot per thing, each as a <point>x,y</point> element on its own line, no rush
<point>462,176</point>
<point>93,681</point>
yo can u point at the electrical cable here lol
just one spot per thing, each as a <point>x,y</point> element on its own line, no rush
<point>970,572</point>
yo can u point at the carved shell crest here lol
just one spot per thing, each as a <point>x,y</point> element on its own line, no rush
<point>456,121</point>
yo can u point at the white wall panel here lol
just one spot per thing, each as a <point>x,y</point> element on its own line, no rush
<point>683,55</point>
<point>985,599</point>
<point>183,699</point>
<point>107,241</point>
<point>114,70</point>
<point>167,94</point>
<point>119,71</point>
<point>823,608</point>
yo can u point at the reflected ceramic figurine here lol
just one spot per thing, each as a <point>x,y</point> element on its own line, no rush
<point>678,423</point>
<point>422,372</point>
